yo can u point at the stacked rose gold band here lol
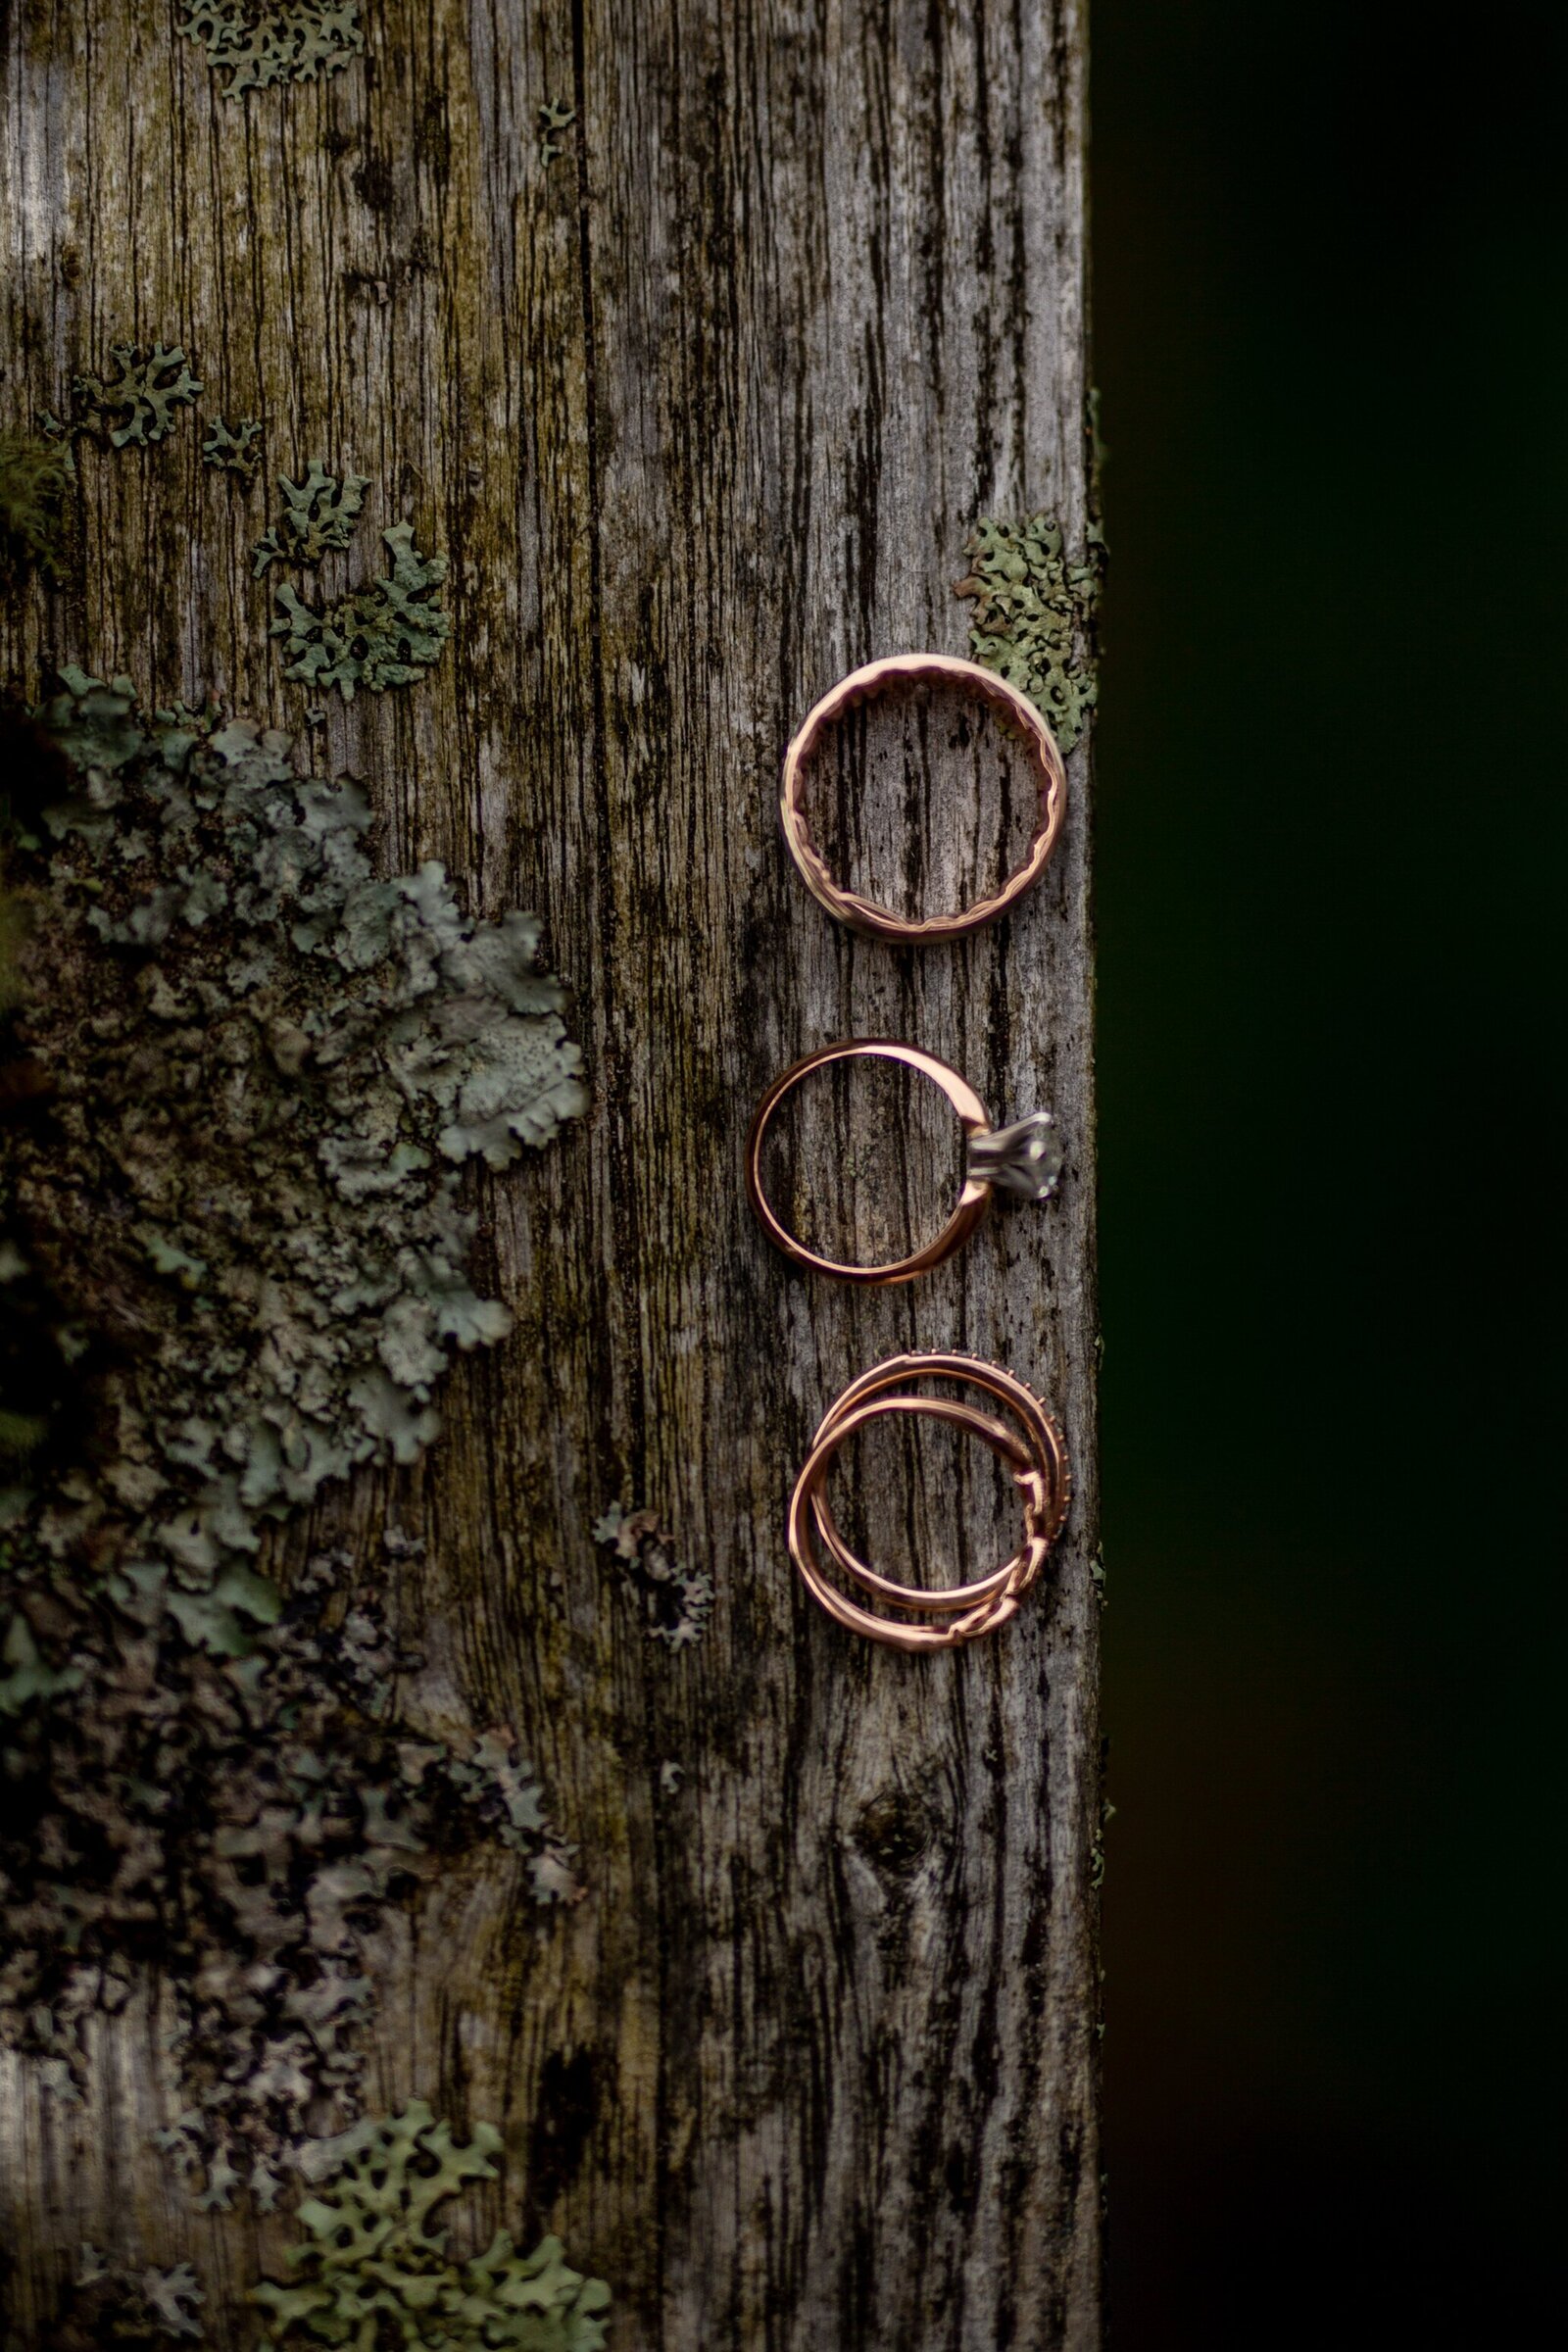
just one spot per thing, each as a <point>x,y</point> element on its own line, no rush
<point>1039,1465</point>
<point>1030,1442</point>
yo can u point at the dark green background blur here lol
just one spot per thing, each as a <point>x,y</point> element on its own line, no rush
<point>1329,334</point>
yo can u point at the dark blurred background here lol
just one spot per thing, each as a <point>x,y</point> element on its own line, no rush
<point>1329,334</point>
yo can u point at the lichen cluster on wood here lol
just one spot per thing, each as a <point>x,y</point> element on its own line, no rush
<point>249,1180</point>
<point>1034,614</point>
<point>232,1206</point>
<point>386,633</point>
<point>319,513</point>
<point>258,43</point>
<point>137,401</point>
<point>554,116</point>
<point>133,2310</point>
<point>245,1825</point>
<point>234,449</point>
<point>675,1597</point>
<point>371,2270</point>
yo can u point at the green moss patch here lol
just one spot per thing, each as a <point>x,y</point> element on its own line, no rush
<point>36,477</point>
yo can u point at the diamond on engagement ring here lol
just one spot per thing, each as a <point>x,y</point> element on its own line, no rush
<point>1025,1157</point>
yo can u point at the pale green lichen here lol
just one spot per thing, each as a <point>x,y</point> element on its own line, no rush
<point>36,477</point>
<point>388,633</point>
<point>234,449</point>
<point>256,1158</point>
<point>675,1601</point>
<point>124,2307</point>
<point>554,116</point>
<point>318,514</point>
<point>1097,1850</point>
<point>261,42</point>
<point>27,1677</point>
<point>371,2270</point>
<point>247,1824</point>
<point>1033,613</point>
<point>232,1209</point>
<point>136,402</point>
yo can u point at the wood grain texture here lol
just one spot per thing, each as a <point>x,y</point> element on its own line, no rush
<point>702,414</point>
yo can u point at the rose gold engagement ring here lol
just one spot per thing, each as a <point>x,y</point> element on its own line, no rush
<point>1037,1459</point>
<point>1016,714</point>
<point>1024,1158</point>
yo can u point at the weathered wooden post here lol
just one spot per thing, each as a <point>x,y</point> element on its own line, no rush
<point>697,342</point>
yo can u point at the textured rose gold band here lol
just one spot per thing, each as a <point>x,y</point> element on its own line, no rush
<point>866,685</point>
<point>1039,1464</point>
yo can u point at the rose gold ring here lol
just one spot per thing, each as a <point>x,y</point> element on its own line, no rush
<point>1016,712</point>
<point>1024,1158</point>
<point>1040,1469</point>
<point>944,1600</point>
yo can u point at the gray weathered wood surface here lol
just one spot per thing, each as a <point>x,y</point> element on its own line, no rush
<point>702,414</point>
